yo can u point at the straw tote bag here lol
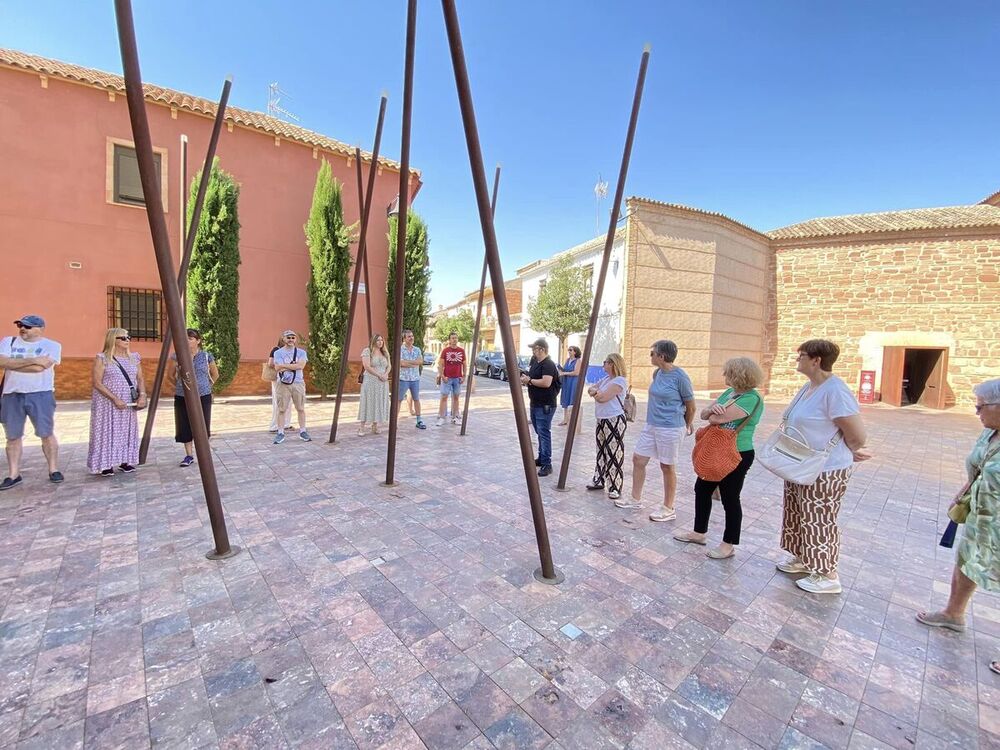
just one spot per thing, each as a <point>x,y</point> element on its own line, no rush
<point>788,454</point>
<point>715,455</point>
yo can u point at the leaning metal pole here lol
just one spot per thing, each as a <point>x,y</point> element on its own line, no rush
<point>361,211</point>
<point>358,264</point>
<point>404,203</point>
<point>187,239</point>
<point>479,313</point>
<point>547,573</point>
<point>609,241</point>
<point>165,266</point>
<point>183,212</point>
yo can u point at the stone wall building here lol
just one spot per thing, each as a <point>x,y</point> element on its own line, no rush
<point>911,296</point>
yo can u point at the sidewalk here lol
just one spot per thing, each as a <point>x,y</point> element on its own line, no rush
<point>367,616</point>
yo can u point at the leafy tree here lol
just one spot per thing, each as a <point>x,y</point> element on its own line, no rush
<point>462,323</point>
<point>213,285</point>
<point>416,303</point>
<point>563,305</point>
<point>328,291</point>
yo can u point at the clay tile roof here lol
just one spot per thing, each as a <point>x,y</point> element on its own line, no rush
<point>949,217</point>
<point>691,209</point>
<point>244,117</point>
<point>992,200</point>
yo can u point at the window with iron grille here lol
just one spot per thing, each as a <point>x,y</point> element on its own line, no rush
<point>138,311</point>
<point>128,186</point>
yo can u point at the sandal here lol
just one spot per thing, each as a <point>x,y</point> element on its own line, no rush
<point>995,666</point>
<point>688,538</point>
<point>362,431</point>
<point>715,554</point>
<point>940,620</point>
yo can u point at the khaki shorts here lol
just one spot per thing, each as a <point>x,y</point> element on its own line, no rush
<point>294,393</point>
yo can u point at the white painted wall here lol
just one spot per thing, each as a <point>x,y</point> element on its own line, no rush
<point>609,325</point>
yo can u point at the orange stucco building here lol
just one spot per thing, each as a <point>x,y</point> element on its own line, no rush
<point>74,237</point>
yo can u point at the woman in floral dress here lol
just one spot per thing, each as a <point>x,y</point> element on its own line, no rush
<point>374,406</point>
<point>114,424</point>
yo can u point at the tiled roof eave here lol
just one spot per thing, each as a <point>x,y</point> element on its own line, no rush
<point>886,236</point>
<point>257,121</point>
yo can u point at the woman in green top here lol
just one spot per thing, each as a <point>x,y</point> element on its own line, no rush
<point>978,558</point>
<point>739,402</point>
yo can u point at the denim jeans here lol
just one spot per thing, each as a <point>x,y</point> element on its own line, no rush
<point>541,420</point>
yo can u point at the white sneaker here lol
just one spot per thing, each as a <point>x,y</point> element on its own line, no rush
<point>440,422</point>
<point>792,564</point>
<point>627,502</point>
<point>663,514</point>
<point>456,420</point>
<point>815,583</point>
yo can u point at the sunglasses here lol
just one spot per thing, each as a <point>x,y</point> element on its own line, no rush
<point>23,327</point>
<point>123,338</point>
<point>980,407</point>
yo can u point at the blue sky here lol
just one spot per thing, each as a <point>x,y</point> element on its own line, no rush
<point>769,111</point>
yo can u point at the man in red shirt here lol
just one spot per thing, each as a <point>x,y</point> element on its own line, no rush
<point>451,373</point>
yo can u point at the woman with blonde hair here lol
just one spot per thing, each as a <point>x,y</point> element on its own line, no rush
<point>609,411</point>
<point>376,365</point>
<point>119,389</point>
<point>739,408</point>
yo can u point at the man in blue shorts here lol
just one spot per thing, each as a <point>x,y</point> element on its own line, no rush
<point>410,360</point>
<point>451,373</point>
<point>28,361</point>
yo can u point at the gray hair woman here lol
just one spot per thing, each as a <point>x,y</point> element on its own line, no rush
<point>669,417</point>
<point>977,562</point>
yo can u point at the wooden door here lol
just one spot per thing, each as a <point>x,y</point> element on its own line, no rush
<point>892,375</point>
<point>935,391</point>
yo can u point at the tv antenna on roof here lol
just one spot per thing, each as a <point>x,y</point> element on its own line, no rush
<point>274,108</point>
<point>600,193</point>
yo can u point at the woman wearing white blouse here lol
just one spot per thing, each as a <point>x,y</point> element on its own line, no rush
<point>609,410</point>
<point>823,409</point>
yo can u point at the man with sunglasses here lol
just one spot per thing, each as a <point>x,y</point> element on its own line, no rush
<point>28,361</point>
<point>289,361</point>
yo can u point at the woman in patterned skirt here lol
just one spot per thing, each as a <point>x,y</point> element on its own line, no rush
<point>824,410</point>
<point>114,424</point>
<point>609,410</point>
<point>978,558</point>
<point>374,406</point>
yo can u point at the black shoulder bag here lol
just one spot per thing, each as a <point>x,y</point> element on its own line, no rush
<point>283,373</point>
<point>133,392</point>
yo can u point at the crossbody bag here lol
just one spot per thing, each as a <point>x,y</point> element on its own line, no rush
<point>133,392</point>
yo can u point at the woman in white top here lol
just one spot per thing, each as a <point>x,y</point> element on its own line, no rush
<point>824,410</point>
<point>609,410</point>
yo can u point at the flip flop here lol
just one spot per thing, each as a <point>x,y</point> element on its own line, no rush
<point>683,537</point>
<point>939,620</point>
<point>995,666</point>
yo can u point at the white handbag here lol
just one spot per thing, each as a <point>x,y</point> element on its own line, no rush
<point>788,454</point>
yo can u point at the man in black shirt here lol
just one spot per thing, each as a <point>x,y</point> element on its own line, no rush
<point>542,380</point>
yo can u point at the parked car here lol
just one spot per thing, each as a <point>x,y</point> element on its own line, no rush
<point>488,363</point>
<point>523,363</point>
<point>429,358</point>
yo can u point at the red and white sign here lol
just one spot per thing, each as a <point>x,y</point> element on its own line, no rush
<point>866,391</point>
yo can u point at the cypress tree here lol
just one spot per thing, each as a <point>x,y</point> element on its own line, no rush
<point>213,286</point>
<point>416,304</point>
<point>329,243</point>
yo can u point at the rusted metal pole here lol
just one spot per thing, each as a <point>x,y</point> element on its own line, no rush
<point>404,203</point>
<point>165,266</point>
<point>547,573</point>
<point>360,262</point>
<point>609,242</point>
<point>187,239</point>
<point>361,211</point>
<point>183,214</point>
<point>479,313</point>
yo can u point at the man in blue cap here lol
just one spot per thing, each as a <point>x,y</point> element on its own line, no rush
<point>28,361</point>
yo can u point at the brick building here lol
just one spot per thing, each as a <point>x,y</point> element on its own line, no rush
<point>912,296</point>
<point>74,235</point>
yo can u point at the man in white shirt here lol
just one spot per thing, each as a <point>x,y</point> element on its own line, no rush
<point>28,360</point>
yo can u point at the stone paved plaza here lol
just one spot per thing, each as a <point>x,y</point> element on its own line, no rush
<point>405,617</point>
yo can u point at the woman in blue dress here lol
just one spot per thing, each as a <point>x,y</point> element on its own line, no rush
<point>570,378</point>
